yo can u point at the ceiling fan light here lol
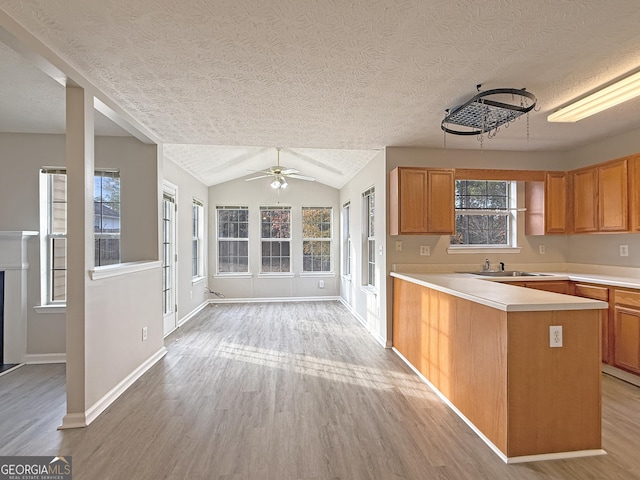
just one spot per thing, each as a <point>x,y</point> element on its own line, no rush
<point>284,184</point>
<point>276,184</point>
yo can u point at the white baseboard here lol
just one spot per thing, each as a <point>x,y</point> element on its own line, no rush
<point>42,358</point>
<point>490,444</point>
<point>376,335</point>
<point>192,313</point>
<point>79,420</point>
<point>621,374</point>
<point>273,300</point>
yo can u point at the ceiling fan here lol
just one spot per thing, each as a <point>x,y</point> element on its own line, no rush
<point>280,175</point>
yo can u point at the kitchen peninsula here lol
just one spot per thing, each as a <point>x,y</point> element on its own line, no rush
<point>486,348</point>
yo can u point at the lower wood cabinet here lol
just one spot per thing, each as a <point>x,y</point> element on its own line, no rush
<point>626,337</point>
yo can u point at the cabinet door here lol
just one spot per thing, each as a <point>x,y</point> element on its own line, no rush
<point>585,200</point>
<point>634,192</point>
<point>613,203</point>
<point>627,339</point>
<point>555,202</point>
<point>440,201</point>
<point>413,200</point>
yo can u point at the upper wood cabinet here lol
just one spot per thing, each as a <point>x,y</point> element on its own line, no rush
<point>421,201</point>
<point>585,200</point>
<point>600,198</point>
<point>613,202</point>
<point>634,192</point>
<point>547,205</point>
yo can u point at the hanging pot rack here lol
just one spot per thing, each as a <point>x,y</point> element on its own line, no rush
<point>484,114</point>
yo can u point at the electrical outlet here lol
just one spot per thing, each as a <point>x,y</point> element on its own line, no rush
<point>190,293</point>
<point>380,250</point>
<point>398,245</point>
<point>624,250</point>
<point>425,250</point>
<point>321,284</point>
<point>555,336</point>
<point>144,334</point>
<point>541,249</point>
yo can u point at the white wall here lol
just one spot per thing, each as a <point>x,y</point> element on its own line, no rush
<point>370,307</point>
<point>21,157</point>
<point>190,296</point>
<point>259,193</point>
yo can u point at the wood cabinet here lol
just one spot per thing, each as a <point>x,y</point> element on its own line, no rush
<point>555,286</point>
<point>626,334</point>
<point>421,201</point>
<point>634,192</point>
<point>547,205</point>
<point>585,200</point>
<point>600,198</point>
<point>613,202</point>
<point>597,292</point>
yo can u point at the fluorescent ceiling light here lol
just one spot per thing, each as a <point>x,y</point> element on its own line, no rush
<point>608,97</point>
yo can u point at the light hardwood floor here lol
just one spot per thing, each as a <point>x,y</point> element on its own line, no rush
<point>284,391</point>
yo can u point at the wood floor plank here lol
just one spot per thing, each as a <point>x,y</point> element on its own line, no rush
<point>284,391</point>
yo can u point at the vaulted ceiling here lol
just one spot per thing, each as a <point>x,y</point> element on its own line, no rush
<point>331,82</point>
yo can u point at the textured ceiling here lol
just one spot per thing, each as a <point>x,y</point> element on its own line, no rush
<point>354,76</point>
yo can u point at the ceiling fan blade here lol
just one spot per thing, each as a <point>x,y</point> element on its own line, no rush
<point>302,177</point>
<point>289,171</point>
<point>266,172</point>
<point>256,178</point>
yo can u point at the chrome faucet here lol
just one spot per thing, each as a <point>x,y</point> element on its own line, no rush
<point>487,265</point>
<point>502,266</point>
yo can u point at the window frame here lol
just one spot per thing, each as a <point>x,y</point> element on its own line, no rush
<point>197,240</point>
<point>346,240</point>
<point>510,212</point>
<point>102,236</point>
<point>220,239</point>
<point>48,237</point>
<point>278,239</point>
<point>369,240</point>
<point>328,240</point>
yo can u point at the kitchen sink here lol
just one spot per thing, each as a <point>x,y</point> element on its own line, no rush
<point>507,273</point>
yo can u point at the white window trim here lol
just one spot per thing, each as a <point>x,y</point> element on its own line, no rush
<point>366,238</point>
<point>218,273</point>
<point>201,274</point>
<point>489,249</point>
<point>328,240</point>
<point>290,273</point>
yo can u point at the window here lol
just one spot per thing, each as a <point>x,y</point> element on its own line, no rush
<point>275,233</point>
<point>56,237</point>
<point>316,239</point>
<point>368,203</point>
<point>197,251</point>
<point>346,238</point>
<point>484,213</point>
<point>106,225</point>
<point>233,239</point>
<point>106,217</point>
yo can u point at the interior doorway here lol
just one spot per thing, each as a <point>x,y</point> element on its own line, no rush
<point>169,257</point>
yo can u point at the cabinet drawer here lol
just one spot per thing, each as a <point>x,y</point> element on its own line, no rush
<point>591,291</point>
<point>626,297</point>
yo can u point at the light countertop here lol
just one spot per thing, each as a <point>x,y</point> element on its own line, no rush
<point>510,298</point>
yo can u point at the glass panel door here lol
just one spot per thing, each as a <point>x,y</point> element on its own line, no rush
<point>169,306</point>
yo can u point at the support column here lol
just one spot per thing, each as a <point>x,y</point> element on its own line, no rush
<point>80,246</point>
